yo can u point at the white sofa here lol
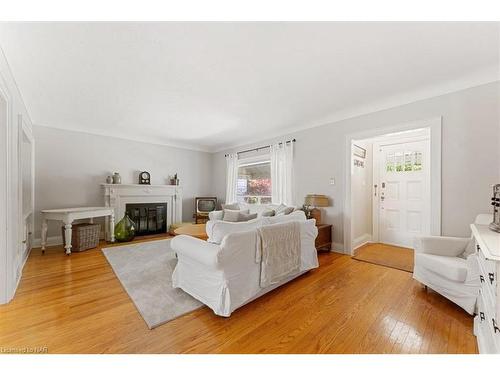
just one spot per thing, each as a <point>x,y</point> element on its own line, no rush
<point>225,276</point>
<point>449,266</point>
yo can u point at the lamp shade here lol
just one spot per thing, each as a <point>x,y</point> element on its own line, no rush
<point>317,200</point>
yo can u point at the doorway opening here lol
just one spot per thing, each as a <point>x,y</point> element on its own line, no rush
<point>393,193</point>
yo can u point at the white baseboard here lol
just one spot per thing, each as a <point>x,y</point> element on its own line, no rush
<point>51,241</point>
<point>338,247</point>
<point>361,240</point>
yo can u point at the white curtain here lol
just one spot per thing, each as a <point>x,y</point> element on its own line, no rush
<point>282,173</point>
<point>231,177</point>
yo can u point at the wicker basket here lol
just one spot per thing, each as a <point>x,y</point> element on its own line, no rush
<point>83,236</point>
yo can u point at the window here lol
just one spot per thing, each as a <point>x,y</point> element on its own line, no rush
<point>254,183</point>
<point>404,162</point>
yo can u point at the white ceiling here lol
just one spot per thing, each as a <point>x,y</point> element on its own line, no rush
<point>213,85</point>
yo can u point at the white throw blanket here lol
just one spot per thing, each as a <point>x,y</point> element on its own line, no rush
<point>278,251</point>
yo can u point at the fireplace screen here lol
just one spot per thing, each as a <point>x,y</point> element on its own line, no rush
<point>149,218</point>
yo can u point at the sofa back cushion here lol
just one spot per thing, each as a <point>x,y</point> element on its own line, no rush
<point>234,215</point>
<point>294,216</point>
<point>247,217</point>
<point>216,215</point>
<point>218,229</point>
<point>231,206</point>
<point>265,209</point>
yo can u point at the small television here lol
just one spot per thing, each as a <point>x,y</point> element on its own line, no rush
<point>204,205</point>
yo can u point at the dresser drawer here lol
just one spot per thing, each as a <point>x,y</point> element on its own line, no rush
<point>488,272</point>
<point>486,330</point>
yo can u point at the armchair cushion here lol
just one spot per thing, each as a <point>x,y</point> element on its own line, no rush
<point>444,246</point>
<point>452,268</point>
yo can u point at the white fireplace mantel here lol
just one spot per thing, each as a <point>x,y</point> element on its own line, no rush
<point>118,195</point>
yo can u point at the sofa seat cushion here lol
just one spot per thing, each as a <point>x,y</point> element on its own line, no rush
<point>452,268</point>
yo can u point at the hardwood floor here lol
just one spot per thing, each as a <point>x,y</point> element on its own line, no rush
<point>75,304</point>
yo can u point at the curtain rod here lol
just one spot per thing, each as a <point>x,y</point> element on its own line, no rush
<point>260,148</point>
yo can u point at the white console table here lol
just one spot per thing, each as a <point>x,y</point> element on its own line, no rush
<point>68,215</point>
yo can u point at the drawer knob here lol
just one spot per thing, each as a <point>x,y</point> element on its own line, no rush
<point>478,247</point>
<point>491,276</point>
<point>481,278</point>
<point>481,315</point>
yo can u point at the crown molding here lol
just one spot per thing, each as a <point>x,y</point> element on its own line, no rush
<point>485,76</point>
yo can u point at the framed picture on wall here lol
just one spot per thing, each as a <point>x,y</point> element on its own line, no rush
<point>359,151</point>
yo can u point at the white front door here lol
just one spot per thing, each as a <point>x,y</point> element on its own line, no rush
<point>404,199</point>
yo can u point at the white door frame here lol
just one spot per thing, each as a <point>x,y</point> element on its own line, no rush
<point>5,212</point>
<point>376,175</point>
<point>25,130</point>
<point>435,140</point>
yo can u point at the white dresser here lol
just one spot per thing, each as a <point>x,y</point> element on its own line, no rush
<point>486,323</point>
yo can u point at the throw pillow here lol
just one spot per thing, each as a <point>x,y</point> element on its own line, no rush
<point>247,217</point>
<point>232,206</point>
<point>280,208</point>
<point>284,210</point>
<point>233,215</point>
<point>268,213</point>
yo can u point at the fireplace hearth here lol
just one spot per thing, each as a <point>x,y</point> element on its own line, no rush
<point>149,218</point>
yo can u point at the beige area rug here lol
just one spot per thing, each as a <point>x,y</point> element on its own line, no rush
<point>145,271</point>
<point>400,258</point>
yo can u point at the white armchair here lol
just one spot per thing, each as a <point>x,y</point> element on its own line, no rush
<point>449,266</point>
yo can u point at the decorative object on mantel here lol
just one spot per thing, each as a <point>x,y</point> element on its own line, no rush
<point>144,178</point>
<point>174,180</point>
<point>125,229</point>
<point>117,179</point>
<point>315,201</point>
<point>109,180</point>
<point>495,202</point>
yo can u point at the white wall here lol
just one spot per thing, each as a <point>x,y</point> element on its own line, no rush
<point>10,237</point>
<point>470,154</point>
<point>70,166</point>
<point>361,196</point>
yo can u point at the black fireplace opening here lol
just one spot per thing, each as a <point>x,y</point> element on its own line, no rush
<point>149,218</point>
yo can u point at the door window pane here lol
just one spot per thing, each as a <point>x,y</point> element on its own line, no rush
<point>399,161</point>
<point>254,183</point>
<point>408,162</point>
<point>389,162</point>
<point>417,161</point>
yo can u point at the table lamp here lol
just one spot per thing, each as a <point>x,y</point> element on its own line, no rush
<point>315,201</point>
